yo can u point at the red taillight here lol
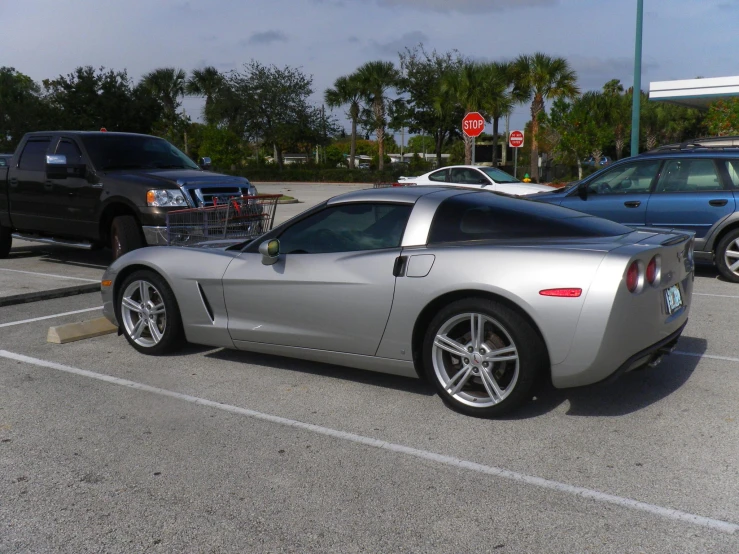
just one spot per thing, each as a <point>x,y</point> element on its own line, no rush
<point>565,293</point>
<point>652,271</point>
<point>632,277</point>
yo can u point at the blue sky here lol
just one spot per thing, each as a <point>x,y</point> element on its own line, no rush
<point>329,38</point>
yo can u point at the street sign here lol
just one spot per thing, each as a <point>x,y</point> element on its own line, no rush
<point>473,124</point>
<point>515,139</point>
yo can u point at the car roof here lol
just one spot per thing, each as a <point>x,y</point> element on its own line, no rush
<point>91,133</point>
<point>405,195</point>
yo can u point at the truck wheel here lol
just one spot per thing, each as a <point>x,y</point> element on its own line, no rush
<point>6,240</point>
<point>125,235</point>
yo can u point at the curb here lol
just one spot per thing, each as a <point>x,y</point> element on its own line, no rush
<point>48,294</point>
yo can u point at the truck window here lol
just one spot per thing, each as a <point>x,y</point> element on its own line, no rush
<point>70,150</point>
<point>33,157</point>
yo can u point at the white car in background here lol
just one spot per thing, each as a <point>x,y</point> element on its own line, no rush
<point>476,177</point>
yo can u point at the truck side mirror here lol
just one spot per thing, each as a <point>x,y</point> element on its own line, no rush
<point>270,251</point>
<point>56,166</point>
<point>205,163</point>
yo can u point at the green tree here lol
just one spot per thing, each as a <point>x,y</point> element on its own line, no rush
<point>167,85</point>
<point>618,108</point>
<point>420,144</point>
<point>539,78</point>
<point>376,79</point>
<point>206,82</point>
<point>222,146</point>
<point>347,91</point>
<point>431,111</point>
<point>21,107</point>
<point>722,118</point>
<point>468,87</point>
<point>499,100</point>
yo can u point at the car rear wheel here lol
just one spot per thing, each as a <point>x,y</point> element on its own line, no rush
<point>483,357</point>
<point>727,256</point>
<point>125,235</point>
<point>147,310</point>
<point>6,241</point>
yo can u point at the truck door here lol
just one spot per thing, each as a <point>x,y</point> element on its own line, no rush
<point>28,190</point>
<point>78,193</point>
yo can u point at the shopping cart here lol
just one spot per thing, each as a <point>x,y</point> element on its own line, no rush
<point>237,218</point>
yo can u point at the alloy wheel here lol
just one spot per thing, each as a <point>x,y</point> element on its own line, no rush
<point>475,360</point>
<point>143,313</point>
<point>731,256</point>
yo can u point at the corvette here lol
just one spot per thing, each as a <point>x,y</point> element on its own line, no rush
<point>481,294</point>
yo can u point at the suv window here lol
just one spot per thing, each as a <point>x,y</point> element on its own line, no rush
<point>438,176</point>
<point>468,176</point>
<point>483,216</point>
<point>33,157</point>
<point>687,175</point>
<point>732,167</point>
<point>347,228</point>
<point>69,149</point>
<point>628,178</point>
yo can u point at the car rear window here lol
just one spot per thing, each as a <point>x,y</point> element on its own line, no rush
<point>488,216</point>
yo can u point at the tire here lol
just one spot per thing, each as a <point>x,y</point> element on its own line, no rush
<point>727,254</point>
<point>488,387</point>
<point>145,299</point>
<point>6,241</point>
<point>125,235</point>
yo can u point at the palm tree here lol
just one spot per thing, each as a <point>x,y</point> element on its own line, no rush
<point>375,79</point>
<point>469,87</point>
<point>166,84</point>
<point>347,90</point>
<point>539,78</point>
<point>499,101</point>
<point>618,108</point>
<point>205,82</point>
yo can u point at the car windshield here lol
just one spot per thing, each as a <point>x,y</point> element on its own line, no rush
<point>497,175</point>
<point>109,152</point>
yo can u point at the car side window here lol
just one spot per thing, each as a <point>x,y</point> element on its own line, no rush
<point>732,167</point>
<point>438,176</point>
<point>3,163</point>
<point>687,175</point>
<point>33,157</point>
<point>467,176</point>
<point>69,149</point>
<point>628,178</point>
<point>347,228</point>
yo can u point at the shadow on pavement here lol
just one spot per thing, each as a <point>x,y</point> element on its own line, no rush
<point>97,259</point>
<point>630,393</point>
<point>405,384</point>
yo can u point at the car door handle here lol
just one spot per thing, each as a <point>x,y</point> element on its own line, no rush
<point>48,185</point>
<point>13,182</point>
<point>718,203</point>
<point>399,267</point>
<point>632,204</point>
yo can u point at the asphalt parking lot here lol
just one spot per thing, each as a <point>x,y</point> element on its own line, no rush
<point>103,449</point>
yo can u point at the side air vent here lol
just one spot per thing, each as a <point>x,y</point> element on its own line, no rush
<point>206,304</point>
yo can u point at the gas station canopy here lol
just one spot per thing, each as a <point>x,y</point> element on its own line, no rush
<point>694,93</point>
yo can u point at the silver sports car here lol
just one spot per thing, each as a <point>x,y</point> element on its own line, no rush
<point>482,294</point>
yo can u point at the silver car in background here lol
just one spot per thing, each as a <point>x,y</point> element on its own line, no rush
<point>479,293</point>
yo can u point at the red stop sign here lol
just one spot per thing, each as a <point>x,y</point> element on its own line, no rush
<point>473,124</point>
<point>515,139</point>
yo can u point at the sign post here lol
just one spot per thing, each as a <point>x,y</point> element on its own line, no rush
<point>473,125</point>
<point>515,141</point>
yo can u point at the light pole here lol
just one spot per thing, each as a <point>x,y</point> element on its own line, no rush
<point>636,102</point>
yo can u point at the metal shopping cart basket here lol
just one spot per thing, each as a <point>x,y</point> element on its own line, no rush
<point>238,218</point>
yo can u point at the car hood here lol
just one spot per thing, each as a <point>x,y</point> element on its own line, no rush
<point>180,176</point>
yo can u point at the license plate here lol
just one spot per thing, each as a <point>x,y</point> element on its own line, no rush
<point>674,299</point>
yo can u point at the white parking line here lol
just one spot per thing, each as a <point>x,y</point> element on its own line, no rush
<point>723,526</point>
<point>49,317</point>
<point>710,356</point>
<point>50,275</point>
<point>716,295</point>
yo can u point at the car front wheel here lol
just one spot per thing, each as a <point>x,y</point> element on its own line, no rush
<point>147,310</point>
<point>483,357</point>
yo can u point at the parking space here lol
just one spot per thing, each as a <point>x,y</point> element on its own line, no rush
<point>102,448</point>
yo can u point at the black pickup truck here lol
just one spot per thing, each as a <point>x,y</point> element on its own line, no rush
<point>98,189</point>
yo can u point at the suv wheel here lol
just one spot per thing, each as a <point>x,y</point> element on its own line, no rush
<point>727,256</point>
<point>125,235</point>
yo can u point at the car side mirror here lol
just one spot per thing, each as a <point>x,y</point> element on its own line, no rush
<point>270,251</point>
<point>205,163</point>
<point>582,191</point>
